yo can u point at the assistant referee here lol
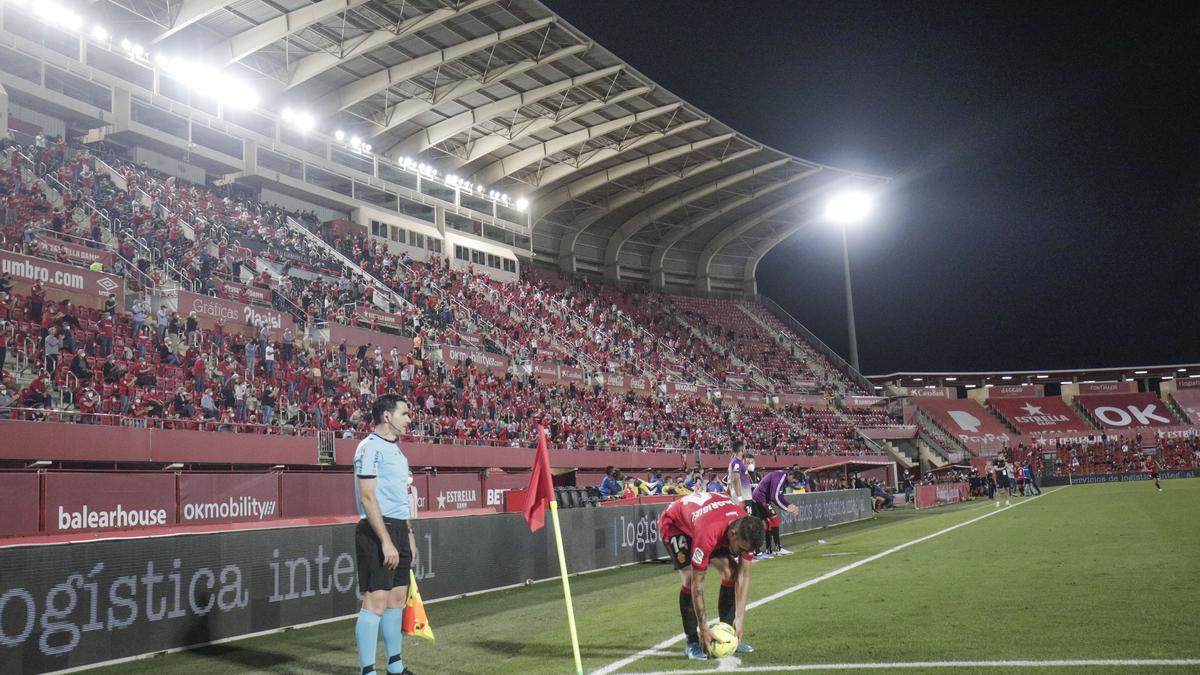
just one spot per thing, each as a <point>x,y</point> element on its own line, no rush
<point>383,540</point>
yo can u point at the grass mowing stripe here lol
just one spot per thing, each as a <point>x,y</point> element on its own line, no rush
<point>1076,663</point>
<point>617,665</point>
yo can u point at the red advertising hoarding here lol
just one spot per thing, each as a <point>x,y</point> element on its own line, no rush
<point>570,374</point>
<point>1086,388</point>
<point>367,315</point>
<point>546,372</point>
<point>804,400</point>
<point>228,497</point>
<point>1033,415</point>
<point>494,362</point>
<point>77,501</point>
<point>931,392</point>
<point>75,252</point>
<point>743,397</point>
<point>355,337</point>
<point>863,401</point>
<point>499,482</point>
<point>304,495</point>
<point>454,492</point>
<point>1126,411</point>
<point>1015,391</point>
<point>234,313</point>
<point>940,494</point>
<point>19,495</point>
<point>1187,383</point>
<point>254,293</point>
<point>27,270</point>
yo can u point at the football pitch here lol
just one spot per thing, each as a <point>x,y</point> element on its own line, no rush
<point>1089,578</point>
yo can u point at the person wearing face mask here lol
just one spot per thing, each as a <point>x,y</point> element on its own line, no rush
<point>383,538</point>
<point>739,475</point>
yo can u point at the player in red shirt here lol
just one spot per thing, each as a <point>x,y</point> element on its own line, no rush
<point>1151,467</point>
<point>704,528</point>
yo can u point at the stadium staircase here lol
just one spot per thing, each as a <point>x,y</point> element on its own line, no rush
<point>937,438</point>
<point>1084,415</point>
<point>757,377</point>
<point>1176,409</point>
<point>819,367</point>
<point>780,320</point>
<point>890,448</point>
<point>998,415</point>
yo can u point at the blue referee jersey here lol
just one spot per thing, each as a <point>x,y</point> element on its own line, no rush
<point>382,460</point>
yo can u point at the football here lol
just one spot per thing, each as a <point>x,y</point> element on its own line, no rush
<point>724,640</point>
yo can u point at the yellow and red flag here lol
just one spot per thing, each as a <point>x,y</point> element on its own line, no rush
<point>415,622</point>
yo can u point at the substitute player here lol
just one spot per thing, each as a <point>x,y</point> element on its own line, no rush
<point>1151,467</point>
<point>769,503</point>
<point>710,528</point>
<point>1000,470</point>
<point>383,539</point>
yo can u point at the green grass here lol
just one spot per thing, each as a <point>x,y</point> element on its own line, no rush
<point>1094,571</point>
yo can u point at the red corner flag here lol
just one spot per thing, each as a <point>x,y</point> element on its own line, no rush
<point>541,487</point>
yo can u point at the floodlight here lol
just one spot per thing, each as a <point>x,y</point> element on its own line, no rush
<point>70,21</point>
<point>849,207</point>
<point>366,147</point>
<point>355,142</point>
<point>99,34</point>
<point>288,115</point>
<point>126,45</point>
<point>522,203</point>
<point>305,122</point>
<point>340,135</point>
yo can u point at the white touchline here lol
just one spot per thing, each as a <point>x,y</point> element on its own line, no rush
<point>617,665</point>
<point>1054,663</point>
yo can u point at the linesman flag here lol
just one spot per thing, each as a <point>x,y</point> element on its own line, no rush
<point>541,485</point>
<point>415,622</point>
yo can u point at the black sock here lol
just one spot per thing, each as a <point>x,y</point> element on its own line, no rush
<point>725,604</point>
<point>775,538</point>
<point>688,612</point>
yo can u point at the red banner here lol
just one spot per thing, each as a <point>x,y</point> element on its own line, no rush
<point>27,270</point>
<point>76,501</point>
<point>19,495</point>
<point>1034,415</point>
<point>898,431</point>
<point>967,421</point>
<point>1107,388</point>
<point>940,494</point>
<point>1190,382</point>
<point>570,374</point>
<point>232,312</point>
<point>743,397</point>
<point>931,392</point>
<point>228,497</point>
<point>863,401</point>
<point>639,384</point>
<point>494,362</point>
<point>76,252</point>
<point>1189,402</point>
<point>1124,411</point>
<point>368,315</point>
<point>254,293</point>
<point>454,492</point>
<point>1016,391</point>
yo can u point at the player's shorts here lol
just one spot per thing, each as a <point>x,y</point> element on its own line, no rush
<point>679,547</point>
<point>1002,482</point>
<point>372,574</point>
<point>762,511</point>
<point>1153,475</point>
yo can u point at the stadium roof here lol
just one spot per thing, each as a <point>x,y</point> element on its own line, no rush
<point>623,177</point>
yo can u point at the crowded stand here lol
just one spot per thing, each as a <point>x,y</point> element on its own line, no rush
<point>150,366</point>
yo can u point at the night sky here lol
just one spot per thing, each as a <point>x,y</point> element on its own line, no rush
<point>1045,208</point>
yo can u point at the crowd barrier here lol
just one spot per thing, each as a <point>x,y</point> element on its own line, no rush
<point>71,605</point>
<point>1051,481</point>
<point>940,494</point>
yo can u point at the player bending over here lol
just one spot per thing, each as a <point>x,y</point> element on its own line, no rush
<point>769,503</point>
<point>1152,469</point>
<point>705,528</point>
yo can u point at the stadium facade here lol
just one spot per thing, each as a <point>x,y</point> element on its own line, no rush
<point>477,127</point>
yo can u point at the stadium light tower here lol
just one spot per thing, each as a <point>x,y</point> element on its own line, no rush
<point>848,209</point>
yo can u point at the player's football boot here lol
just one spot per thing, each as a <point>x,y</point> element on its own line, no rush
<point>744,648</point>
<point>694,652</point>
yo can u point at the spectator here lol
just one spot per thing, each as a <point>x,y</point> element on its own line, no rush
<point>6,402</point>
<point>51,345</point>
<point>609,487</point>
<point>81,368</point>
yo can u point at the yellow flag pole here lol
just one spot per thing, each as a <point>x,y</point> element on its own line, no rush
<point>562,569</point>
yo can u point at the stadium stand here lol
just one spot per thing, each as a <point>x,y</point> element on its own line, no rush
<point>964,420</point>
<point>1188,403</point>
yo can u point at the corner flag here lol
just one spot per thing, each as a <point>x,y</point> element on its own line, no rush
<point>541,487</point>
<point>415,622</point>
